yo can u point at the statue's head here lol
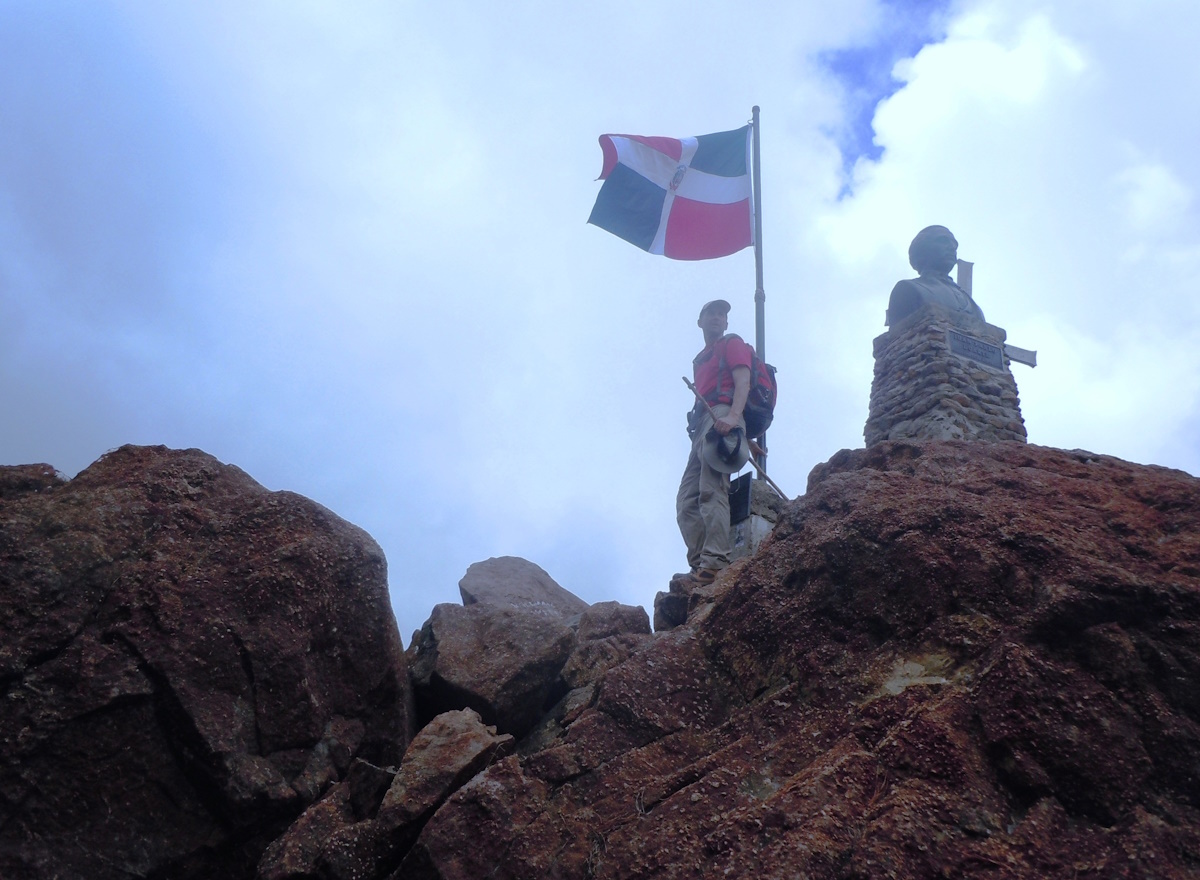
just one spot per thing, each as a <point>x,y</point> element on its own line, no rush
<point>933,250</point>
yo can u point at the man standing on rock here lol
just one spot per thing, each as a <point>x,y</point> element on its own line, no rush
<point>722,376</point>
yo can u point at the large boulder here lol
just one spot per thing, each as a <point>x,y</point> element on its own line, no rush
<point>502,651</point>
<point>502,662</point>
<point>186,661</point>
<point>513,582</point>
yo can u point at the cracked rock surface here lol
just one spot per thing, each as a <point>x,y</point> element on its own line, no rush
<point>187,660</point>
<point>949,660</point>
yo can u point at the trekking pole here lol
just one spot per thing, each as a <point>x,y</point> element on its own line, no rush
<point>757,466</point>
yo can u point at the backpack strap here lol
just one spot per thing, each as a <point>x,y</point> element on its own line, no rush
<point>723,367</point>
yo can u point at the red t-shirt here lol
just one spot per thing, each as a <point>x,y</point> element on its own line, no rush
<point>706,367</point>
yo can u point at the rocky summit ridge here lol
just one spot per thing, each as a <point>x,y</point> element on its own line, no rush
<point>949,659</point>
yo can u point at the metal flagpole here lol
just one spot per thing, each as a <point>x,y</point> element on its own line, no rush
<point>760,297</point>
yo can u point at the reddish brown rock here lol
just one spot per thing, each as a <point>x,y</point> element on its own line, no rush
<point>513,582</point>
<point>591,659</point>
<point>21,479</point>
<point>186,660</point>
<point>330,758</point>
<point>606,619</point>
<point>490,813</point>
<point>331,839</point>
<point>337,839</point>
<point>670,609</point>
<point>442,756</point>
<point>368,784</point>
<point>609,633</point>
<point>677,606</point>
<point>295,853</point>
<point>499,661</point>
<point>949,660</point>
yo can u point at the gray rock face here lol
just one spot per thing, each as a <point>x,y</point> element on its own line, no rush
<point>502,662</point>
<point>513,582</point>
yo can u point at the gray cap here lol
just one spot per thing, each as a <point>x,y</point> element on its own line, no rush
<point>718,304</point>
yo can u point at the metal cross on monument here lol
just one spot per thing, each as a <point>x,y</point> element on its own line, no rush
<point>1020,355</point>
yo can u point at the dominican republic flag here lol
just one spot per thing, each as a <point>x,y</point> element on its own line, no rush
<point>685,198</point>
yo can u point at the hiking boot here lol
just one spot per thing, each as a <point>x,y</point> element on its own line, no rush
<point>682,575</point>
<point>702,577</point>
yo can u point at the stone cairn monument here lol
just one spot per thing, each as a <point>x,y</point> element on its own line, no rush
<point>941,371</point>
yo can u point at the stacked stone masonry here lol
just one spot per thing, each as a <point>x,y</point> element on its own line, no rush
<point>923,390</point>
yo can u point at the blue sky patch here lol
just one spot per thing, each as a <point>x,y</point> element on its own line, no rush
<point>865,71</point>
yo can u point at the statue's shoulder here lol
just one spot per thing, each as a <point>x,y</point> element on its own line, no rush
<point>910,287</point>
<point>906,297</point>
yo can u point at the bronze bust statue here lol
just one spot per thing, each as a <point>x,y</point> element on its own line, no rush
<point>933,253</point>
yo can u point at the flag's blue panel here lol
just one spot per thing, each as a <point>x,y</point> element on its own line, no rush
<point>723,153</point>
<point>629,206</point>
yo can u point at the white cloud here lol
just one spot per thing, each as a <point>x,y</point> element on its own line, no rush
<point>345,248</point>
<point>1010,133</point>
<point>1156,201</point>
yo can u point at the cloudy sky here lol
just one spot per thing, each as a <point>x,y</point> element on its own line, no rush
<point>343,245</point>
